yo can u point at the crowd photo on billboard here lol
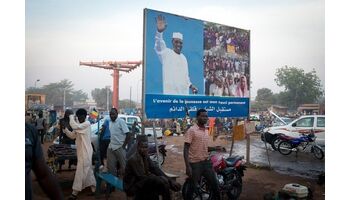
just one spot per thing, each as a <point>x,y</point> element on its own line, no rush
<point>226,60</point>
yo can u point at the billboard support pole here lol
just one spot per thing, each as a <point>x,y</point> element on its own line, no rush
<point>267,151</point>
<point>143,114</point>
<point>248,141</point>
<point>156,142</point>
<point>233,133</point>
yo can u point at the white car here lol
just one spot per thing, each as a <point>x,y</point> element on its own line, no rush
<point>94,134</point>
<point>303,125</point>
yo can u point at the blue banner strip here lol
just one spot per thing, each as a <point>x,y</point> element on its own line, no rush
<point>175,106</point>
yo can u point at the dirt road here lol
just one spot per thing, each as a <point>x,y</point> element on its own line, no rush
<point>256,182</point>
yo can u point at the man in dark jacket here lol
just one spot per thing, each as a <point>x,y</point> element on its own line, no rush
<point>143,178</point>
<point>35,161</point>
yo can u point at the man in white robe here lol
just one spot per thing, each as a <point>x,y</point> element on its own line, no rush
<point>84,175</point>
<point>175,67</point>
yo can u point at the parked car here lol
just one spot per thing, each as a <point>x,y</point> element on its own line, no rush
<point>93,135</point>
<point>254,117</point>
<point>149,131</point>
<point>303,125</point>
<point>279,122</point>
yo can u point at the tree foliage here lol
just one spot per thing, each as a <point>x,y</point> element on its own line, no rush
<point>264,94</point>
<point>264,99</point>
<point>100,97</point>
<point>126,103</point>
<point>299,87</point>
<point>55,91</point>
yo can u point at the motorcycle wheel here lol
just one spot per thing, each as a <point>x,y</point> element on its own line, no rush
<point>154,158</point>
<point>318,152</point>
<point>200,193</point>
<point>285,148</point>
<point>275,142</point>
<point>236,189</point>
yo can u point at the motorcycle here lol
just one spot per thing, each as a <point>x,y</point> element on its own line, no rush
<point>152,152</point>
<point>289,144</point>
<point>260,128</point>
<point>228,127</point>
<point>229,173</point>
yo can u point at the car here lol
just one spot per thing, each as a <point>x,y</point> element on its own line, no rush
<point>281,121</point>
<point>149,131</point>
<point>129,119</point>
<point>303,125</point>
<point>93,135</point>
<point>254,117</point>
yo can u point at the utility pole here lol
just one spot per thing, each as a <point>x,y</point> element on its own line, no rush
<point>64,99</point>
<point>130,97</point>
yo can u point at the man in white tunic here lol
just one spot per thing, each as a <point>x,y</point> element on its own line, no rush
<point>84,175</point>
<point>175,68</point>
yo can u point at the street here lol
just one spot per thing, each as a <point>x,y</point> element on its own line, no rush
<point>258,180</point>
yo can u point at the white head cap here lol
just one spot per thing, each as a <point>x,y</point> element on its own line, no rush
<point>177,35</point>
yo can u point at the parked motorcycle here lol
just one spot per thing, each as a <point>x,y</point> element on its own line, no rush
<point>260,128</point>
<point>152,151</point>
<point>229,173</point>
<point>290,144</point>
<point>228,127</point>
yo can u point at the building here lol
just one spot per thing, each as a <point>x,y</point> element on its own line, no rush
<point>34,99</point>
<point>279,110</point>
<point>88,105</point>
<point>309,109</point>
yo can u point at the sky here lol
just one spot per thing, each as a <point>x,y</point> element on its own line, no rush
<point>46,39</point>
<point>60,33</point>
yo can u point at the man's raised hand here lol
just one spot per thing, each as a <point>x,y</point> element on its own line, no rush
<point>161,23</point>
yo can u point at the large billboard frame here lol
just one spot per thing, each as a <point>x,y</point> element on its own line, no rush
<point>235,107</point>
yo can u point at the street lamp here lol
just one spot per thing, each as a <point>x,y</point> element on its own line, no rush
<point>36,82</point>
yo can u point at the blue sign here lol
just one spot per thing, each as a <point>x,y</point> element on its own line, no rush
<point>177,106</point>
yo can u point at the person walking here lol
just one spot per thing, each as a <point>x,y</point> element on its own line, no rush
<point>64,139</point>
<point>196,156</point>
<point>40,125</point>
<point>105,138</point>
<point>84,175</point>
<point>120,137</point>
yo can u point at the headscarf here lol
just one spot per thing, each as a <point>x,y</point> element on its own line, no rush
<point>245,91</point>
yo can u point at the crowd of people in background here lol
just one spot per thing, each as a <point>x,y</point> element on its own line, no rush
<point>227,38</point>
<point>226,61</point>
<point>226,77</point>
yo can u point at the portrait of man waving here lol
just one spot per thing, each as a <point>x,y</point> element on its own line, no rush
<point>175,70</point>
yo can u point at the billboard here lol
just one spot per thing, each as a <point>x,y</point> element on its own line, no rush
<point>191,64</point>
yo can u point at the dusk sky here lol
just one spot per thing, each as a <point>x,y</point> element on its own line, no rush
<point>60,33</point>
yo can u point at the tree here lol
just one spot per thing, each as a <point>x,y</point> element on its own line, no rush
<point>125,103</point>
<point>79,95</point>
<point>299,87</point>
<point>264,99</point>
<point>100,97</point>
<point>55,91</point>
